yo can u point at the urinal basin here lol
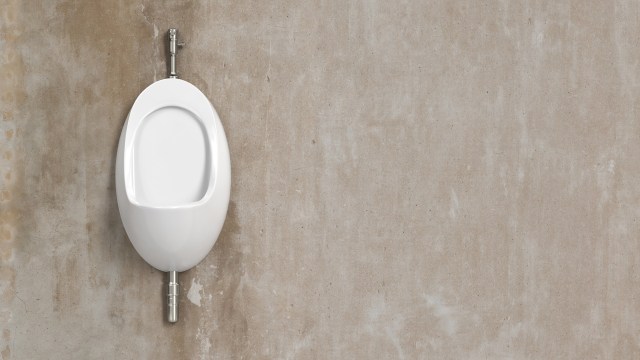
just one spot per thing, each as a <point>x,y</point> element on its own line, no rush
<point>173,175</point>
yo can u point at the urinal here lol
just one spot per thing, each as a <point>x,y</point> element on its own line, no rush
<point>173,176</point>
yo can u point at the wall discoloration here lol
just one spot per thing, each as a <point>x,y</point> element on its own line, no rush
<point>12,99</point>
<point>440,179</point>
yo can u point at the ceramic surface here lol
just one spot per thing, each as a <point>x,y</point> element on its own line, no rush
<point>173,175</point>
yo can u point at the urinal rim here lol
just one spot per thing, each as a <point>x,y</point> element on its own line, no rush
<point>158,90</point>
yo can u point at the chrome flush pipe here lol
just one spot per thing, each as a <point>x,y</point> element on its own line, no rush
<point>173,49</point>
<point>172,297</point>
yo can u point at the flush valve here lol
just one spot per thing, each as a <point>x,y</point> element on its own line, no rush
<point>174,45</point>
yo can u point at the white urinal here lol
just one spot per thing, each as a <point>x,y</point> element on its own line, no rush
<point>173,176</point>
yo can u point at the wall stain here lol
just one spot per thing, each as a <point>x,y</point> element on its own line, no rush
<point>12,98</point>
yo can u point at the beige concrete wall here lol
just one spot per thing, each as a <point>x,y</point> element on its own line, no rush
<point>411,180</point>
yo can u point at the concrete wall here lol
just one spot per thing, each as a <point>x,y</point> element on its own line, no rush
<point>411,179</point>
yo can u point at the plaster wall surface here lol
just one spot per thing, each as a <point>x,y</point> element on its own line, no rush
<point>411,180</point>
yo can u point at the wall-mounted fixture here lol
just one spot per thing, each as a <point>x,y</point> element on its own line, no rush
<point>173,176</point>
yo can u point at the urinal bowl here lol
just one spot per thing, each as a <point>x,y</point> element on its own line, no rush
<point>173,175</point>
